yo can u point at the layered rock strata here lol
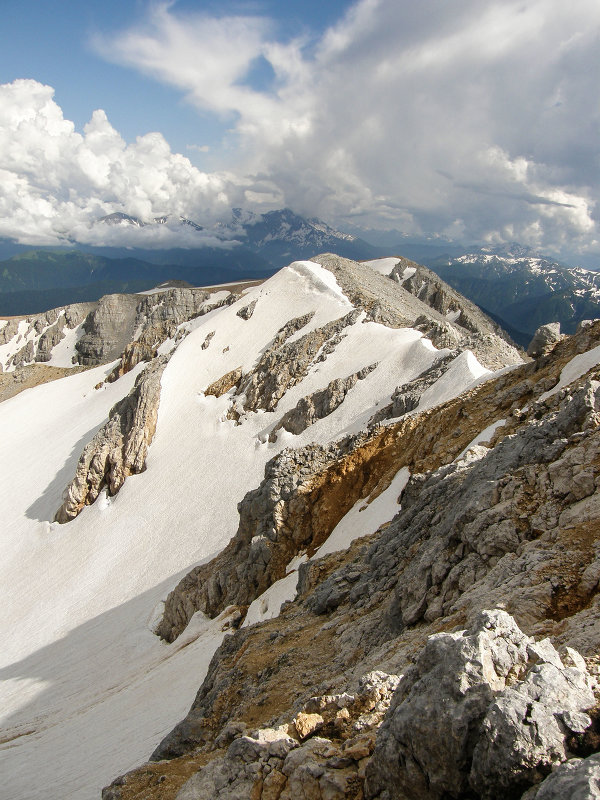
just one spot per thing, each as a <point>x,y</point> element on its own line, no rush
<point>284,363</point>
<point>43,333</point>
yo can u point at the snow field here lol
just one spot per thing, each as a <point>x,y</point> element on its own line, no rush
<point>82,668</point>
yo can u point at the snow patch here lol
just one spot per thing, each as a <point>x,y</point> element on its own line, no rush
<point>383,265</point>
<point>364,517</point>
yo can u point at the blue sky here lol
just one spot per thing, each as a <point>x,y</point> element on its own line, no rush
<point>52,41</point>
<point>474,121</point>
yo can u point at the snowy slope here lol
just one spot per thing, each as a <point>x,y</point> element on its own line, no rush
<point>87,689</point>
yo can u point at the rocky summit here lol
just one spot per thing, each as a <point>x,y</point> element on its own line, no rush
<point>331,536</point>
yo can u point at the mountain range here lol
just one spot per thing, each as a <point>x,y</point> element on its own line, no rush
<point>322,535</point>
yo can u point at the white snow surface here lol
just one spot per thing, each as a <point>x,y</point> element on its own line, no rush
<point>383,265</point>
<point>575,368</point>
<point>64,352</point>
<point>88,690</point>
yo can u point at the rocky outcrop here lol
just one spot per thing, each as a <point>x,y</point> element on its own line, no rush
<point>423,301</point>
<point>285,363</point>
<point>319,404</point>
<point>247,311</point>
<point>119,448</point>
<point>43,333</point>
<point>544,339</point>
<point>108,329</point>
<point>306,492</point>
<point>407,397</point>
<point>136,325</point>
<point>290,762</point>
<point>485,712</point>
<point>225,383</point>
<point>576,779</point>
<point>290,511</point>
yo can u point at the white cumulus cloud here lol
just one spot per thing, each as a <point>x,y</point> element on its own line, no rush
<point>477,118</point>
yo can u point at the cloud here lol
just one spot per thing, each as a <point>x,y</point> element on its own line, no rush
<point>56,183</point>
<point>477,118</point>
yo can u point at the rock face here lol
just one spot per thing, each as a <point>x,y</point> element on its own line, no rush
<point>425,302</point>
<point>486,710</point>
<point>544,339</point>
<point>319,404</point>
<point>285,363</point>
<point>137,324</point>
<point>42,333</point>
<point>119,448</point>
<point>577,779</point>
<point>108,329</point>
<point>290,762</point>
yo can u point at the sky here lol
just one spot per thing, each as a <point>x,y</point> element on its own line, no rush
<point>469,120</point>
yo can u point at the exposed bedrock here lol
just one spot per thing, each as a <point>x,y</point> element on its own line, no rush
<point>120,447</point>
<point>285,363</point>
<point>483,713</point>
<point>407,397</point>
<point>517,524</point>
<point>306,492</point>
<point>544,339</point>
<point>498,518</point>
<point>108,329</point>
<point>423,301</point>
<point>44,331</point>
<point>138,324</point>
<point>319,404</point>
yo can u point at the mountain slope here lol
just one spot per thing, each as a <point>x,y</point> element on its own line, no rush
<point>270,429</point>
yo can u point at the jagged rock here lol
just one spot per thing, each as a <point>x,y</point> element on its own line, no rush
<point>133,354</point>
<point>423,301</point>
<point>271,763</point>
<point>119,448</point>
<point>307,724</point>
<point>208,339</point>
<point>284,364</point>
<point>576,779</point>
<point>319,404</point>
<point>544,339</point>
<point>247,311</point>
<point>224,383</point>
<point>479,710</point>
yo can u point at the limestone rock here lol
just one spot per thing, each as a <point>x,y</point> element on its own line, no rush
<point>577,779</point>
<point>477,711</point>
<point>544,339</point>
<point>119,448</point>
<point>319,404</point>
<point>224,383</point>
<point>108,329</point>
<point>307,724</point>
<point>247,311</point>
<point>284,363</point>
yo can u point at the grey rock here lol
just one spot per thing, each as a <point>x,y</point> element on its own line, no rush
<point>544,339</point>
<point>247,311</point>
<point>319,404</point>
<point>576,779</point>
<point>475,714</point>
<point>108,329</point>
<point>284,364</point>
<point>119,448</point>
<point>407,397</point>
